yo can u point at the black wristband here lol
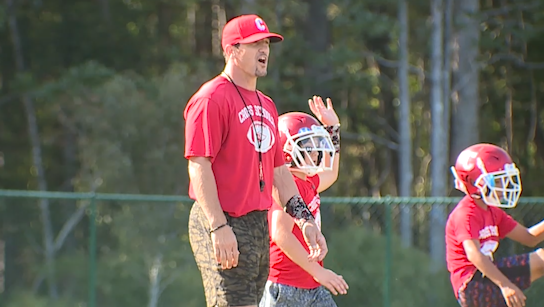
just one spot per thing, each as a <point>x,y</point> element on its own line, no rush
<point>334,132</point>
<point>297,208</point>
<point>218,227</point>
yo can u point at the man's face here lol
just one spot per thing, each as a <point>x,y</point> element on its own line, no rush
<point>253,58</point>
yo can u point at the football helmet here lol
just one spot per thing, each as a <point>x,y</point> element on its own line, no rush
<point>305,142</point>
<point>487,171</point>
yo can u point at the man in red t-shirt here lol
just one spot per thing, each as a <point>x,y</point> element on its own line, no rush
<point>490,180</point>
<point>231,143</point>
<point>312,154</point>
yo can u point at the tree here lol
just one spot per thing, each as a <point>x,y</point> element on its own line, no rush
<point>35,141</point>
<point>438,137</point>
<point>466,102</point>
<point>405,132</point>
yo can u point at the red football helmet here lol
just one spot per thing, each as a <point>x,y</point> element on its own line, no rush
<point>487,171</point>
<point>305,143</point>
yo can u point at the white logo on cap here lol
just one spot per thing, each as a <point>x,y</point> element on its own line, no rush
<point>260,24</point>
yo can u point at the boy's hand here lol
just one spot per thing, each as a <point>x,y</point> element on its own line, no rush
<point>325,114</point>
<point>315,240</point>
<point>513,296</point>
<point>332,281</point>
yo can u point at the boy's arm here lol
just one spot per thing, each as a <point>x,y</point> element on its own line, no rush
<point>512,294</point>
<point>329,118</point>
<point>328,178</point>
<point>282,234</point>
<point>286,191</point>
<point>528,237</point>
<point>484,263</point>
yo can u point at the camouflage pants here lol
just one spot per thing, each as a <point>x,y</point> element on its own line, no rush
<point>244,284</point>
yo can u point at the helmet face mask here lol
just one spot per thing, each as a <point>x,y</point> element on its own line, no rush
<point>307,145</point>
<point>501,188</point>
<point>486,171</point>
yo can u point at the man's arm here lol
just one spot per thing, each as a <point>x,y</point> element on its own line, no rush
<point>204,127</point>
<point>223,238</point>
<point>205,189</point>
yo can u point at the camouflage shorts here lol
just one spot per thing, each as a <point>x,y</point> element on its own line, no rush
<point>279,295</point>
<point>240,286</point>
<point>480,291</point>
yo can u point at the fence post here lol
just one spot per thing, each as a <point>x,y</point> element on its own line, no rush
<point>388,257</point>
<point>92,253</point>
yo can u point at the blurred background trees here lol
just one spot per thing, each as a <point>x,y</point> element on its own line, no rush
<point>92,95</point>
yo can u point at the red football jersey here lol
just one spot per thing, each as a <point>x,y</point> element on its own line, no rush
<point>469,221</point>
<point>218,125</point>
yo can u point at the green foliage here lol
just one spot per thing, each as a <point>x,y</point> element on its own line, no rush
<point>358,254</point>
<point>131,132</point>
<point>110,79</point>
<point>121,282</point>
<point>25,299</point>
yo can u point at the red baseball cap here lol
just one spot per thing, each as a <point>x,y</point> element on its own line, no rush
<point>246,29</point>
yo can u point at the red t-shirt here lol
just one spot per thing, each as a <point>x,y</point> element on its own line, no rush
<point>219,126</point>
<point>282,269</point>
<point>469,221</point>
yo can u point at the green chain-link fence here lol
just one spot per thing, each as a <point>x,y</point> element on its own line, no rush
<point>113,250</point>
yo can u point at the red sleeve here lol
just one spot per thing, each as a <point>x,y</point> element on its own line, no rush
<point>506,223</point>
<point>203,128</point>
<point>467,227</point>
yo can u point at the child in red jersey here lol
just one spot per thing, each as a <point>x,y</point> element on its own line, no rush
<point>490,180</point>
<point>312,153</point>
